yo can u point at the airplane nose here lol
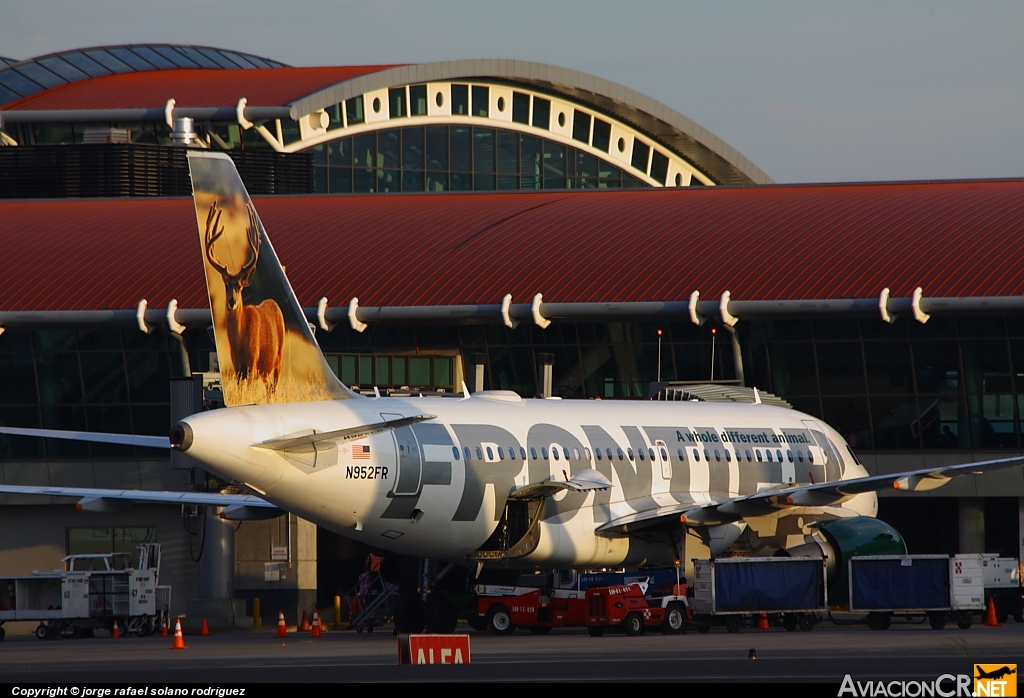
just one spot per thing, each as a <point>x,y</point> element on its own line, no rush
<point>181,436</point>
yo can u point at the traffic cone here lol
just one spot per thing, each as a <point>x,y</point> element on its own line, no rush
<point>762,622</point>
<point>163,627</point>
<point>990,616</point>
<point>304,625</point>
<point>115,633</point>
<point>205,630</point>
<point>315,630</point>
<point>179,640</point>
<point>282,629</point>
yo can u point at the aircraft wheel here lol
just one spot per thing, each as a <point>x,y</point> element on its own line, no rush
<point>540,629</point>
<point>596,630</point>
<point>674,620</point>
<point>733,624</point>
<point>499,620</point>
<point>789,622</point>
<point>937,620</point>
<point>806,623</point>
<point>633,624</point>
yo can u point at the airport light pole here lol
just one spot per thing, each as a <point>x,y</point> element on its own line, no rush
<point>659,354</point>
<point>714,331</point>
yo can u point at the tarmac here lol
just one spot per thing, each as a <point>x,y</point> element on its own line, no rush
<point>249,658</point>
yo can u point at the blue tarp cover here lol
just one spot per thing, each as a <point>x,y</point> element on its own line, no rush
<point>889,584</point>
<point>789,585</point>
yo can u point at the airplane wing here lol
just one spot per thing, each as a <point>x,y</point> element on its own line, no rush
<point>238,507</point>
<point>770,500</point>
<point>93,436</point>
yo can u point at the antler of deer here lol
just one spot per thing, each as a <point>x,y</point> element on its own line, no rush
<point>212,235</point>
<point>252,233</point>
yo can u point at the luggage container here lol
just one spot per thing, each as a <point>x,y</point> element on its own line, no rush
<point>790,590</point>
<point>936,588</point>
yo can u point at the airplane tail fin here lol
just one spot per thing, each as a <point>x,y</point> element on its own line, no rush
<point>265,347</point>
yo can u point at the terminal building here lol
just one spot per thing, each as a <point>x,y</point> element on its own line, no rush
<point>471,221</point>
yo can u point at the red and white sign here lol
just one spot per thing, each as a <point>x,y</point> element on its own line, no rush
<point>439,649</point>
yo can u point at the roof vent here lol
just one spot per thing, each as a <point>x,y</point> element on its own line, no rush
<point>184,132</point>
<point>107,135</point>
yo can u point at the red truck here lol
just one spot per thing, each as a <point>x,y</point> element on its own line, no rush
<point>503,609</point>
<point>627,608</point>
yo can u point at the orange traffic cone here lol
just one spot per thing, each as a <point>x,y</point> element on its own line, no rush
<point>163,628</point>
<point>315,630</point>
<point>304,625</point>
<point>115,633</point>
<point>282,629</point>
<point>205,630</point>
<point>179,640</point>
<point>990,616</point>
<point>762,622</point>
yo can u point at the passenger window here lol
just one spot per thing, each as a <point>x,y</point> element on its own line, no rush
<point>749,459</point>
<point>544,453</point>
<point>522,452</point>
<point>779,454</point>
<point>565,452</point>
<point>587,452</point>
<point>664,454</point>
<point>597,452</point>
<point>640,453</point>
<point>576,453</point>
<point>490,453</point>
<point>533,453</point>
<point>455,452</point>
<point>769,454</point>
<point>619,451</point>
<point>511,453</point>
<point>696,455</point>
<point>717,457</point>
<point>738,459</point>
<point>800,456</point>
<point>469,456</point>
<point>728,456</point>
<point>758,453</point>
<point>789,455</point>
<point>501,453</point>
<point>682,456</point>
<point>554,452</point>
<point>707,455</point>
<point>629,452</point>
<point>479,454</point>
<point>810,456</point>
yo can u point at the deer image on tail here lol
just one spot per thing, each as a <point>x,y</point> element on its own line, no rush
<point>255,332</point>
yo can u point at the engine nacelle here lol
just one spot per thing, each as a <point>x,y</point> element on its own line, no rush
<point>839,540</point>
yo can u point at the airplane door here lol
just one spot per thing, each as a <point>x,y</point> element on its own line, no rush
<point>410,458</point>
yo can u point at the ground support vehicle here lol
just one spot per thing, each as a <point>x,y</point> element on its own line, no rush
<point>539,602</point>
<point>373,602</point>
<point>790,591</point>
<point>92,591</point>
<point>1002,584</point>
<point>627,608</point>
<point>916,588</point>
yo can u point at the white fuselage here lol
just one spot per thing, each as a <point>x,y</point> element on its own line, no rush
<point>438,489</point>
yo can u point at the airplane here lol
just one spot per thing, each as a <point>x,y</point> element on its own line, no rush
<point>995,673</point>
<point>490,477</point>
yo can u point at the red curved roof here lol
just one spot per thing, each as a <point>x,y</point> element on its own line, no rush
<point>192,87</point>
<point>760,243</point>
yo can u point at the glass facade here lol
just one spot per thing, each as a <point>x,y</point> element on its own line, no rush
<point>953,383</point>
<point>457,158</point>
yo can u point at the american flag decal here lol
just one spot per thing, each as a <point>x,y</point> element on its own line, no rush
<point>360,452</point>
